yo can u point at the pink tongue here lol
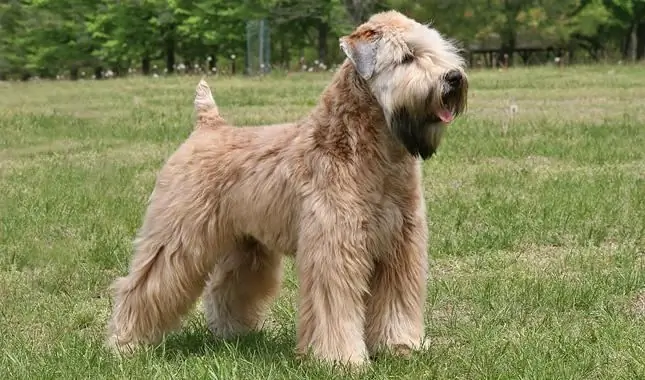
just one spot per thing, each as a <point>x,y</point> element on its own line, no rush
<point>445,116</point>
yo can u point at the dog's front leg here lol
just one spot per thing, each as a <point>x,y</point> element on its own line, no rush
<point>395,306</point>
<point>333,273</point>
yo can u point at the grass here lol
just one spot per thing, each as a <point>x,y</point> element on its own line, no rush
<point>537,228</point>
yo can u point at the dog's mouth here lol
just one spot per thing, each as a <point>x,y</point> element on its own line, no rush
<point>451,106</point>
<point>444,115</point>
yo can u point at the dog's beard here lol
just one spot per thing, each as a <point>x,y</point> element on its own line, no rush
<point>421,131</point>
<point>420,134</point>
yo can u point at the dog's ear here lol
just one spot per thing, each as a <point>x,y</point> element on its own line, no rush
<point>361,51</point>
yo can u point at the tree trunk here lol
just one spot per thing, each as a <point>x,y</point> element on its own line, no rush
<point>640,43</point>
<point>626,43</point>
<point>323,32</point>
<point>507,33</point>
<point>145,65</point>
<point>73,73</point>
<point>633,42</point>
<point>212,64</point>
<point>98,72</point>
<point>169,47</point>
<point>283,52</point>
<point>247,64</point>
<point>170,54</point>
<point>508,47</point>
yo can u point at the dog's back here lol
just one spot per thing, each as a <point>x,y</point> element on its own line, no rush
<point>228,170</point>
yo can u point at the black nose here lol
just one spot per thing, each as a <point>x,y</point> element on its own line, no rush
<point>453,77</point>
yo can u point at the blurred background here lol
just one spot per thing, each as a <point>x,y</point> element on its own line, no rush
<point>72,39</point>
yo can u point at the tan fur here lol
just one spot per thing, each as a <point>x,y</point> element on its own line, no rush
<point>338,190</point>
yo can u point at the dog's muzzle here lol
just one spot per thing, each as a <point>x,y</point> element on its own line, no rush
<point>453,98</point>
<point>421,133</point>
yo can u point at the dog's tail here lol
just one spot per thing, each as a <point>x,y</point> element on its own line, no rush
<point>205,107</point>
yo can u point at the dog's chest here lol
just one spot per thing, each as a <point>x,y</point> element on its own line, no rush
<point>382,227</point>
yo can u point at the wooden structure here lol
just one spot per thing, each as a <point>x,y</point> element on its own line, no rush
<point>531,49</point>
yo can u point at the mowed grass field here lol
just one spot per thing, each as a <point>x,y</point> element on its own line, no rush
<point>537,223</point>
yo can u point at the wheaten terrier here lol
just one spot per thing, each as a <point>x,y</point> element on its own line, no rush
<point>340,191</point>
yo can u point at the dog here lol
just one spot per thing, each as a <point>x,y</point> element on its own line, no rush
<point>340,191</point>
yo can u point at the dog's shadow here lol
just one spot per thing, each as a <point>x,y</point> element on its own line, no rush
<point>265,345</point>
<point>263,348</point>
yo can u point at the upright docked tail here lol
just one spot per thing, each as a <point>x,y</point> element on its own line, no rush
<point>205,107</point>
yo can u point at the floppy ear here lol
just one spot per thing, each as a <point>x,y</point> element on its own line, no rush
<point>362,53</point>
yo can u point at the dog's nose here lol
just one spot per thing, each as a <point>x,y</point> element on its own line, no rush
<point>453,77</point>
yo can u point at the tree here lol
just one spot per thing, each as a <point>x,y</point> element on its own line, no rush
<point>48,37</point>
<point>58,37</point>
<point>13,44</point>
<point>125,33</point>
<point>629,23</point>
<point>209,28</point>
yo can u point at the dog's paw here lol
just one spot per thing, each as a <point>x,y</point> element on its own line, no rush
<point>115,346</point>
<point>350,360</point>
<point>403,350</point>
<point>400,349</point>
<point>121,347</point>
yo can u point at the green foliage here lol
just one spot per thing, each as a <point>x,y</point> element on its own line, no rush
<point>58,34</point>
<point>125,30</point>
<point>588,21</point>
<point>13,37</point>
<point>51,37</point>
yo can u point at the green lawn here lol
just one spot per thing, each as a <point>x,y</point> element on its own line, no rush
<point>537,228</point>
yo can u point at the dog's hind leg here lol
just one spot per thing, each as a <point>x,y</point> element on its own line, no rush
<point>241,287</point>
<point>167,274</point>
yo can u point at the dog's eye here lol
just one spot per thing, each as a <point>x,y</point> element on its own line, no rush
<point>407,59</point>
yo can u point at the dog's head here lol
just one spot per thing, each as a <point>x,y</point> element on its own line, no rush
<point>416,75</point>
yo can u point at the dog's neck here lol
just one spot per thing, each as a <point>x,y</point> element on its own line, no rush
<point>350,119</point>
